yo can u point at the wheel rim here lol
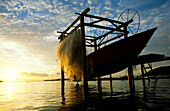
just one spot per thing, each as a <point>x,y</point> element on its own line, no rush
<point>129,14</point>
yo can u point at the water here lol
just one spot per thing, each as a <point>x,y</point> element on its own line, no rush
<point>46,96</point>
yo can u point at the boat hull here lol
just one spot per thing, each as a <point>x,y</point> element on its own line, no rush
<point>118,55</point>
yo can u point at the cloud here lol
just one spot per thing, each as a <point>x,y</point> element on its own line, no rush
<point>25,74</point>
<point>29,51</point>
<point>89,2</point>
<point>160,42</point>
<point>28,32</point>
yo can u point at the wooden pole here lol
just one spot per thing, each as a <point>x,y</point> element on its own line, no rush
<point>111,84</point>
<point>130,78</point>
<point>62,82</point>
<point>98,78</point>
<point>99,85</point>
<point>143,78</point>
<point>62,79</point>
<point>84,56</point>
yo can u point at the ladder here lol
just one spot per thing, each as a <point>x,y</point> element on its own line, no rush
<point>147,68</point>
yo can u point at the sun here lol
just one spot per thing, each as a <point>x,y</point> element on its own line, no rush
<point>10,75</point>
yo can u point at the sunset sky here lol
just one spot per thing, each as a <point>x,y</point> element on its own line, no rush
<point>28,31</point>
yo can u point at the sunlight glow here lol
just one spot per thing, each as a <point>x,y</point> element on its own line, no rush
<point>10,74</point>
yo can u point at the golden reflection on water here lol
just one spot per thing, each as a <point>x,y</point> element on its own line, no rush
<point>27,96</point>
<point>74,97</point>
<point>46,96</point>
<point>76,94</point>
<point>7,99</point>
<point>10,89</point>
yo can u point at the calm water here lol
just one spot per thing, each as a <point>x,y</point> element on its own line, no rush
<point>46,96</point>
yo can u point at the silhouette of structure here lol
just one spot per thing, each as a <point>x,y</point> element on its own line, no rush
<point>146,63</point>
<point>115,47</point>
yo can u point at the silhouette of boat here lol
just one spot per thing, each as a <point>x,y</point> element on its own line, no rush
<point>118,55</point>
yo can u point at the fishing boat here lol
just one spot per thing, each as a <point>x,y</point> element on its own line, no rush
<point>115,55</point>
<point>118,55</point>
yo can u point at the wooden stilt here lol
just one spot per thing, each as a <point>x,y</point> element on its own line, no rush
<point>99,84</point>
<point>111,84</point>
<point>84,56</point>
<point>62,83</point>
<point>143,78</point>
<point>131,79</point>
<point>98,78</point>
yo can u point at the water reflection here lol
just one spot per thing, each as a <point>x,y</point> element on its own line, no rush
<point>46,96</point>
<point>73,98</point>
<point>27,96</point>
<point>150,97</point>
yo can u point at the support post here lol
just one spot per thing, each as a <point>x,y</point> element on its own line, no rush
<point>84,56</point>
<point>98,78</point>
<point>62,83</point>
<point>111,84</point>
<point>99,84</point>
<point>131,79</point>
<point>143,78</point>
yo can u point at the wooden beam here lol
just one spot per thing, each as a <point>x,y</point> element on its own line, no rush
<point>89,39</point>
<point>85,35</point>
<point>111,39</point>
<point>91,45</point>
<point>95,21</point>
<point>104,27</point>
<point>102,18</point>
<point>78,18</point>
<point>117,29</point>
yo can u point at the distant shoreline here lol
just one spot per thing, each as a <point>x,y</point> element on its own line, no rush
<point>54,79</point>
<point>106,79</point>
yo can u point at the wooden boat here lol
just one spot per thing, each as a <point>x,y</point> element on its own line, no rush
<point>118,55</point>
